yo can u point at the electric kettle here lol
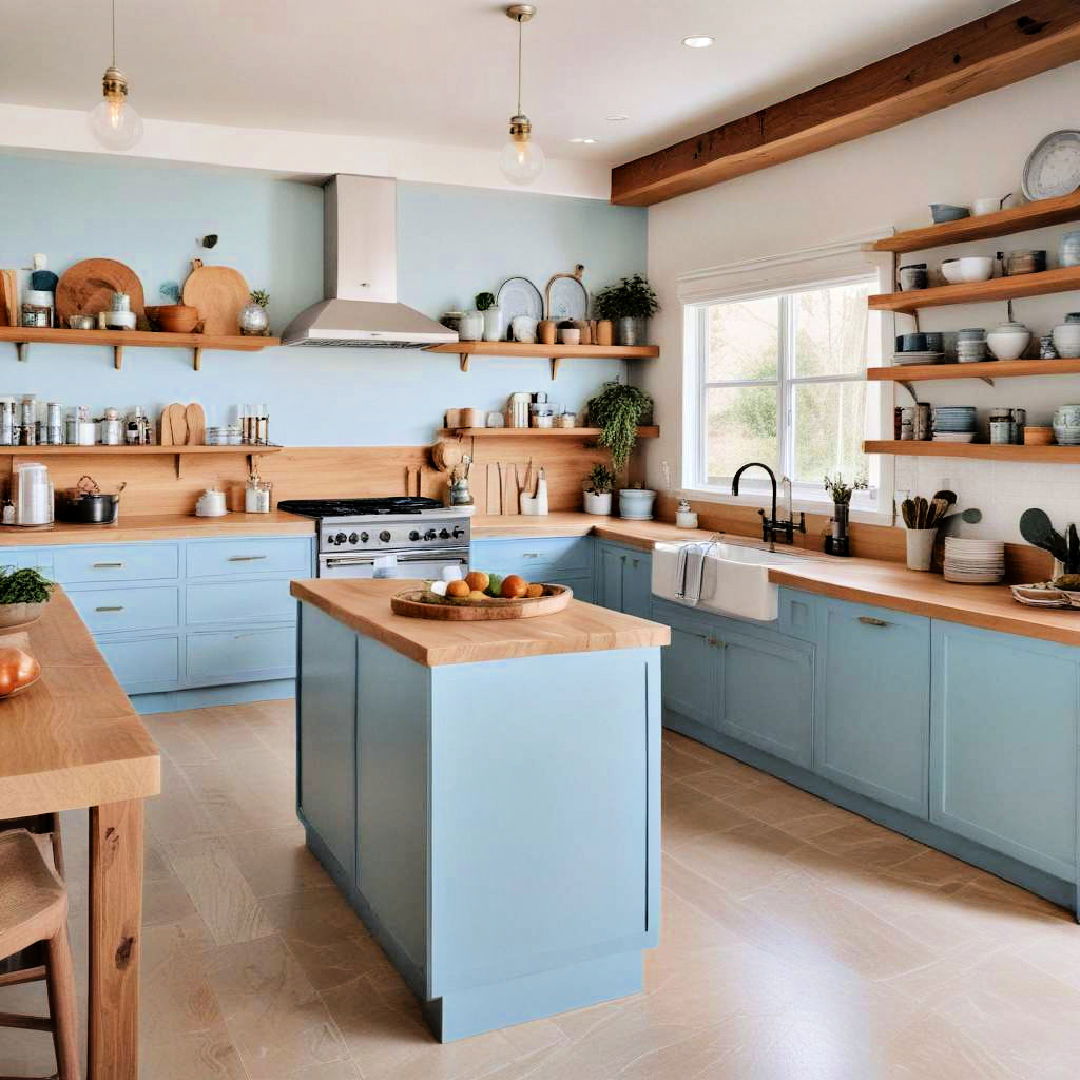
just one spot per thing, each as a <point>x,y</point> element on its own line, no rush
<point>32,493</point>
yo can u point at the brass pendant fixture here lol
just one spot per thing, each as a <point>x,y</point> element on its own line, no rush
<point>522,159</point>
<point>114,123</point>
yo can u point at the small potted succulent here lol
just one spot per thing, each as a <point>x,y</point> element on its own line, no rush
<point>629,304</point>
<point>254,318</point>
<point>24,591</point>
<point>493,321</point>
<point>599,484</point>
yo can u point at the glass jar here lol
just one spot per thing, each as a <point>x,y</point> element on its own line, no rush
<point>257,498</point>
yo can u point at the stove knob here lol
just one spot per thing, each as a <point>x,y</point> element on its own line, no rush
<point>431,534</point>
<point>353,538</point>
<point>444,535</point>
<point>340,538</point>
<point>384,536</point>
<point>363,538</point>
<point>458,532</point>
<point>414,536</point>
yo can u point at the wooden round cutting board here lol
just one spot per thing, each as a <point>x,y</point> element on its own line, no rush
<point>412,604</point>
<point>219,292</point>
<point>87,288</point>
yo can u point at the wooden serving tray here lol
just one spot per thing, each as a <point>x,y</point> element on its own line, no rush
<point>409,603</point>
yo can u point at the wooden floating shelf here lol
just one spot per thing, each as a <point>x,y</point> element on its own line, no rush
<point>23,336</point>
<point>987,371</point>
<point>536,433</point>
<point>176,452</point>
<point>555,353</point>
<point>1064,279</point>
<point>1035,215</point>
<point>1062,455</point>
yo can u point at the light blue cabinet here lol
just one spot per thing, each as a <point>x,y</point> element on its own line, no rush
<point>562,560</point>
<point>690,666</point>
<point>624,579</point>
<point>186,614</point>
<point>1004,744</point>
<point>873,732</point>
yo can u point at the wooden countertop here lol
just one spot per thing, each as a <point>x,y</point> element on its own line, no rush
<point>72,739</point>
<point>364,606</point>
<point>158,527</point>
<point>640,534</point>
<point>892,585</point>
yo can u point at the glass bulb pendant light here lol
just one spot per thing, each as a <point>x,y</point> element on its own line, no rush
<point>522,159</point>
<point>113,122</point>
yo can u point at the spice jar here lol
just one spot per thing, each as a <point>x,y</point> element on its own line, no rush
<point>112,428</point>
<point>257,496</point>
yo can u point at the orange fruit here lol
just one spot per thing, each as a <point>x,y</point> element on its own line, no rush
<point>457,589</point>
<point>477,580</point>
<point>514,587</point>
<point>534,590</point>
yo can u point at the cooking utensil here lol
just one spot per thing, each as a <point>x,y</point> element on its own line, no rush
<point>88,287</point>
<point>1036,528</point>
<point>84,504</point>
<point>219,292</point>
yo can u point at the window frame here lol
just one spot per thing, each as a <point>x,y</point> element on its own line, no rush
<point>783,277</point>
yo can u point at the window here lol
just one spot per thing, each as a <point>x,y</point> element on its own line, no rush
<point>781,378</point>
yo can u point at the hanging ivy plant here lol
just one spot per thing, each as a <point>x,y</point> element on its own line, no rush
<point>618,410</point>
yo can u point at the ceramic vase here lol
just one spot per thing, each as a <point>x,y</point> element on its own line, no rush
<point>598,504</point>
<point>636,504</point>
<point>471,327</point>
<point>494,327</point>
<point>920,548</point>
<point>1067,337</point>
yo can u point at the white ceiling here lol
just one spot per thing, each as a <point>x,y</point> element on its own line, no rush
<point>442,71</point>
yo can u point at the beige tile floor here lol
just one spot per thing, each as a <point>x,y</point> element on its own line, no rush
<point>799,942</point>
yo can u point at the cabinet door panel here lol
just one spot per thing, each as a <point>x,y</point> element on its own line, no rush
<point>690,674</point>
<point>241,656</point>
<point>125,608</point>
<point>144,665</point>
<point>637,585</point>
<point>768,695</point>
<point>874,731</point>
<point>1004,744</point>
<point>246,601</point>
<point>609,577</point>
<point>116,562</point>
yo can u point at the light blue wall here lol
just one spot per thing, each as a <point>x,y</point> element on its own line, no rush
<point>454,242</point>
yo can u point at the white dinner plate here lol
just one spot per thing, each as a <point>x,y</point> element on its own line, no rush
<point>519,296</point>
<point>1053,167</point>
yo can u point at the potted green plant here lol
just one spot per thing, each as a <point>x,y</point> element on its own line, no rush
<point>618,410</point>
<point>840,491</point>
<point>493,322</point>
<point>24,591</point>
<point>629,304</point>
<point>599,484</point>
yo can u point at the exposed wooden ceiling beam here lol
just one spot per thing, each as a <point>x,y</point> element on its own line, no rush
<point>1011,44</point>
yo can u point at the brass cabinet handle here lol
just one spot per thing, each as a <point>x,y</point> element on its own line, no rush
<point>110,607</point>
<point>869,620</point>
<point>246,558</point>
<point>108,566</point>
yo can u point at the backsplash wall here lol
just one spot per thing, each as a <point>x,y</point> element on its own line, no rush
<point>453,243</point>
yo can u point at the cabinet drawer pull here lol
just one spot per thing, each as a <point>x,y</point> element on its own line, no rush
<point>869,620</point>
<point>109,607</point>
<point>108,566</point>
<point>531,555</point>
<point>246,558</point>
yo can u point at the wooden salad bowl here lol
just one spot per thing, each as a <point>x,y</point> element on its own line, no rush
<point>421,604</point>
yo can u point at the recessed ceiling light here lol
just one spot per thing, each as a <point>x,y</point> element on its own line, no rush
<point>617,117</point>
<point>586,139</point>
<point>698,42</point>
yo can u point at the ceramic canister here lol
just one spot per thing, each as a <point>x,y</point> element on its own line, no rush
<point>1067,337</point>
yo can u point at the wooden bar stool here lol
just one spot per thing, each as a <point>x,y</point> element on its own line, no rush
<point>33,908</point>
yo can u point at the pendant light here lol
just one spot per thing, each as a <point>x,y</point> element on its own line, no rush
<point>522,160</point>
<point>114,123</point>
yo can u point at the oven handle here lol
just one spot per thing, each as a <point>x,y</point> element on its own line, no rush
<point>369,560</point>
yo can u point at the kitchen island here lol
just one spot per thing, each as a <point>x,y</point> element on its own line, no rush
<point>486,795</point>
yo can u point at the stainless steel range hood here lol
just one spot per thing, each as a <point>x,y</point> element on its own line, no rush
<point>360,276</point>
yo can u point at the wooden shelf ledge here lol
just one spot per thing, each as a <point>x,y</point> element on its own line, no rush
<point>651,432</point>
<point>1061,455</point>
<point>1063,279</point>
<point>1035,215</point>
<point>987,371</point>
<point>117,340</point>
<point>178,453</point>
<point>554,353</point>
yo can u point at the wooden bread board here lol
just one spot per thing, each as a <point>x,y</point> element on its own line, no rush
<point>87,288</point>
<point>219,292</point>
<point>409,603</point>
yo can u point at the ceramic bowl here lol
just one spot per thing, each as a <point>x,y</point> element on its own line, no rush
<point>1067,340</point>
<point>950,271</point>
<point>174,318</point>
<point>1067,416</point>
<point>1008,341</point>
<point>942,212</point>
<point>976,268</point>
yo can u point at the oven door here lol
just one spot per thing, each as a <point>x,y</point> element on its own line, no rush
<point>418,564</point>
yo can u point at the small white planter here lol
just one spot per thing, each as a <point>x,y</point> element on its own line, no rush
<point>636,504</point>
<point>598,504</point>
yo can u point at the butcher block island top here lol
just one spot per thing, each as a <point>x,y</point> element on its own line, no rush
<point>364,606</point>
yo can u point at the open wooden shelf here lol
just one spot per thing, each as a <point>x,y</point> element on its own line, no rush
<point>176,452</point>
<point>1062,455</point>
<point>1064,279</point>
<point>555,353</point>
<point>1035,215</point>
<point>989,370</point>
<point>536,433</point>
<point>23,336</point>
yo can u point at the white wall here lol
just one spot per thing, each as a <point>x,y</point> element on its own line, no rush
<point>973,149</point>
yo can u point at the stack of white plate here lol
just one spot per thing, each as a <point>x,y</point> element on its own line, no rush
<point>974,562</point>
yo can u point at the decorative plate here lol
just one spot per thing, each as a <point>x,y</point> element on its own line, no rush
<point>567,299</point>
<point>1053,167</point>
<point>519,296</point>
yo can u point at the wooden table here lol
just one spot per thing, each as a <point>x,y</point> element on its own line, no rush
<point>73,740</point>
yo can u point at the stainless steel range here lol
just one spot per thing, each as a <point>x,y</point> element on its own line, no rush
<point>399,536</point>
